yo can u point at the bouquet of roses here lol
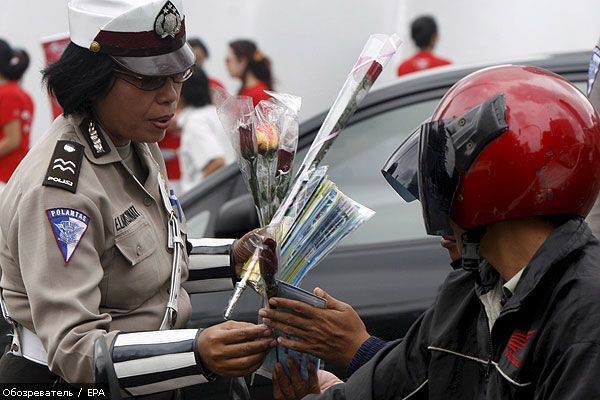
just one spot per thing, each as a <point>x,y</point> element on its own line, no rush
<point>265,139</point>
<point>375,55</point>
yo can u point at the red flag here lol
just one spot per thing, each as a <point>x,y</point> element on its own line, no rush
<point>53,48</point>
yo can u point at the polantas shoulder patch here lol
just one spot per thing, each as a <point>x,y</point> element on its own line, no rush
<point>68,226</point>
<point>65,166</point>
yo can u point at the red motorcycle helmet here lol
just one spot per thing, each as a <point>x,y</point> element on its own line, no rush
<point>505,142</point>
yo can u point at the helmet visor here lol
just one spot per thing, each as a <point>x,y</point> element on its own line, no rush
<point>422,168</point>
<point>400,171</point>
<point>437,177</point>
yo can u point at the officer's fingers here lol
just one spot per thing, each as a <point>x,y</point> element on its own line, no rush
<point>247,348</point>
<point>244,365</point>
<point>245,334</point>
<point>229,325</point>
<point>294,305</point>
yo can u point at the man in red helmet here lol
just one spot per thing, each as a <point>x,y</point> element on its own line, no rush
<point>510,164</point>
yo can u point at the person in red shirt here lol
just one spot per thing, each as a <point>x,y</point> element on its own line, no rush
<point>424,33</point>
<point>16,110</point>
<point>246,62</point>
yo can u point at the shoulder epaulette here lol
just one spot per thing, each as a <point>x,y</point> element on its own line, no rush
<point>65,166</point>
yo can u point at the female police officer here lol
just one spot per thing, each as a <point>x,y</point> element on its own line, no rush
<point>92,244</point>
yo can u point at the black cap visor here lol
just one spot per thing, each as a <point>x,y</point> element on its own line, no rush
<point>165,64</point>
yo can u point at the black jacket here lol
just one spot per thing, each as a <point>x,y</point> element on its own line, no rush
<point>544,345</point>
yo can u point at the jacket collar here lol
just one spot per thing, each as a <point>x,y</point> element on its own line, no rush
<point>566,239</point>
<point>105,152</point>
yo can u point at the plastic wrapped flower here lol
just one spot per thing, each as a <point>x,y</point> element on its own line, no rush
<point>248,145</point>
<point>267,139</point>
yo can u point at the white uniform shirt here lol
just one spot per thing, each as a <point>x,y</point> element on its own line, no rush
<point>202,140</point>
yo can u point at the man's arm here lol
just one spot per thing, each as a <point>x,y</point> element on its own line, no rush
<point>573,376</point>
<point>397,371</point>
<point>12,137</point>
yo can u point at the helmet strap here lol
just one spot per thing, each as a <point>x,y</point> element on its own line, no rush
<point>470,242</point>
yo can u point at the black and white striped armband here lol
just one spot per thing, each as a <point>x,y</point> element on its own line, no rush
<point>143,363</point>
<point>210,265</point>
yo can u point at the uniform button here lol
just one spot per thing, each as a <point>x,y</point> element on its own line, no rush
<point>147,201</point>
<point>139,250</point>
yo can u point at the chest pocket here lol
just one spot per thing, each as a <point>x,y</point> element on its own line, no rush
<point>137,243</point>
<point>138,270</point>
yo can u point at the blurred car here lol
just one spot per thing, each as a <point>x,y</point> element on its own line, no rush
<point>388,270</point>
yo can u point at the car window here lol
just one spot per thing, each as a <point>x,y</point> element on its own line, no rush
<point>355,162</point>
<point>197,224</point>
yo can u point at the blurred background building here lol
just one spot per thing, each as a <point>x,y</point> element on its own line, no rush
<point>313,43</point>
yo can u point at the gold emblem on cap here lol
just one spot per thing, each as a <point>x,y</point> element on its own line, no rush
<point>95,47</point>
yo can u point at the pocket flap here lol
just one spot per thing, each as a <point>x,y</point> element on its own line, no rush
<point>138,243</point>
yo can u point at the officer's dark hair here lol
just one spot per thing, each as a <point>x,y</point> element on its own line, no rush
<point>196,42</point>
<point>13,63</point>
<point>258,63</point>
<point>195,91</point>
<point>422,31</point>
<point>79,78</point>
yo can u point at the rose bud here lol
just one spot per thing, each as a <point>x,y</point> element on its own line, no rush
<point>267,138</point>
<point>268,264</point>
<point>374,71</point>
<point>284,160</point>
<point>247,141</point>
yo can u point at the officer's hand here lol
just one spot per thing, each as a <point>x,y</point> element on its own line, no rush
<point>244,247</point>
<point>334,333</point>
<point>234,348</point>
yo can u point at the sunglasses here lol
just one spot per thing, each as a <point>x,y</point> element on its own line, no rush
<point>148,83</point>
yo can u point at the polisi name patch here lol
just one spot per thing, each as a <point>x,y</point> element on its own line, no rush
<point>68,226</point>
<point>123,220</point>
<point>65,166</point>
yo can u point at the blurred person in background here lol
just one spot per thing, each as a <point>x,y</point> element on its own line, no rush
<point>171,143</point>
<point>16,110</point>
<point>247,63</point>
<point>424,34</point>
<point>202,54</point>
<point>204,147</point>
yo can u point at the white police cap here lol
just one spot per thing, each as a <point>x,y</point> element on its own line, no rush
<point>144,36</point>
